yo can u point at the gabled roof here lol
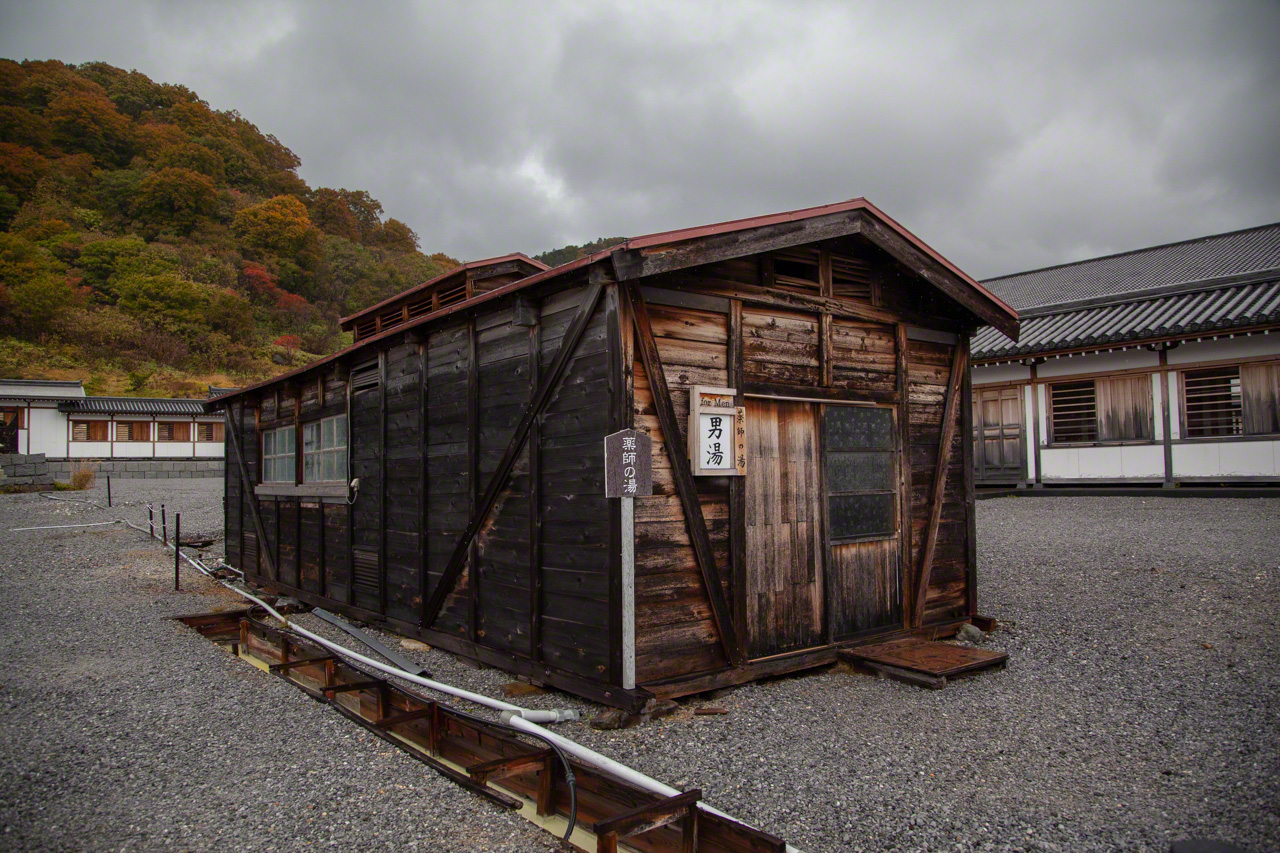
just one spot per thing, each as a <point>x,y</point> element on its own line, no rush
<point>1204,259</point>
<point>131,406</point>
<point>641,256</point>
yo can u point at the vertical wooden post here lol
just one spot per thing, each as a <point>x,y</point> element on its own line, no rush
<point>1035,425</point>
<point>621,528</point>
<point>970,498</point>
<point>177,548</point>
<point>737,487</point>
<point>535,497</point>
<point>905,544</point>
<point>1166,417</point>
<point>382,482</point>
<point>628,593</point>
<point>424,481</point>
<point>473,475</point>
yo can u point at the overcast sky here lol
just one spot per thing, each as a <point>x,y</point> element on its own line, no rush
<point>1008,136</point>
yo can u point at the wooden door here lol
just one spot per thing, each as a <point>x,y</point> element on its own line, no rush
<point>784,556</point>
<point>1000,452</point>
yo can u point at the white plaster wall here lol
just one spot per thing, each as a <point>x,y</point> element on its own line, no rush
<point>989,373</point>
<point>131,450</point>
<point>1097,363</point>
<point>90,449</point>
<point>1112,462</point>
<point>47,433</point>
<point>1226,348</point>
<point>1175,407</point>
<point>175,449</point>
<point>210,449</point>
<point>1227,459</point>
<point>1060,463</point>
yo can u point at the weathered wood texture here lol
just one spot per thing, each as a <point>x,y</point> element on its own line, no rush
<point>675,626</point>
<point>929,373</point>
<point>784,556</point>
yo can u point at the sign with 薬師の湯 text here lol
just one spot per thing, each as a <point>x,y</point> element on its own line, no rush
<point>717,432</point>
<point>628,464</point>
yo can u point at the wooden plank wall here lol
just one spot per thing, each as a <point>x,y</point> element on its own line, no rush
<point>929,371</point>
<point>574,584</point>
<point>675,631</point>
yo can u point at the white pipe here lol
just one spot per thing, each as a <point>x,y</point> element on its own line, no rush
<point>607,764</point>
<point>63,526</point>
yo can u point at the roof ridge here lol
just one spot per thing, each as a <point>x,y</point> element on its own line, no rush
<point>1129,252</point>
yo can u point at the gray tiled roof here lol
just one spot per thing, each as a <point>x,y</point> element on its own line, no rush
<point>1144,318</point>
<point>132,406</point>
<point>1201,260</point>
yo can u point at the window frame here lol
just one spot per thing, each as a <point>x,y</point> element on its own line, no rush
<point>339,452</point>
<point>1240,411</point>
<point>89,430</point>
<point>1095,435</point>
<point>273,459</point>
<point>890,451</point>
<point>133,427</point>
<point>217,432</point>
<point>174,430</point>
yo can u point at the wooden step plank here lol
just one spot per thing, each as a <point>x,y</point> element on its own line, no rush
<point>932,658</point>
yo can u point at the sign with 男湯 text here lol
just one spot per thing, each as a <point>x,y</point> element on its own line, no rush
<point>717,433</point>
<point>628,464</point>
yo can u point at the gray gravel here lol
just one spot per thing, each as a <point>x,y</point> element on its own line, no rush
<point>1141,705</point>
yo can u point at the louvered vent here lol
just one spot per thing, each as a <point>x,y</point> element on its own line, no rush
<point>446,296</point>
<point>364,571</point>
<point>850,278</point>
<point>796,270</point>
<point>364,376</point>
<point>420,307</point>
<point>366,328</point>
<point>249,554</point>
<point>392,317</point>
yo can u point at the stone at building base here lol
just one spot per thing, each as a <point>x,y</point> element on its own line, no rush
<point>140,469</point>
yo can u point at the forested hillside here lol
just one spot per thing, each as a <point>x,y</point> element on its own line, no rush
<point>564,255</point>
<point>150,245</point>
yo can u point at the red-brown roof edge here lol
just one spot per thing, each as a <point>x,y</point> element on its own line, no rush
<point>644,241</point>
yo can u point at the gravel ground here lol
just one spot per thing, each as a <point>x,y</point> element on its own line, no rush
<point>1141,705</point>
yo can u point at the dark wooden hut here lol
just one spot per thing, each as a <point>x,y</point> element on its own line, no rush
<point>472,411</point>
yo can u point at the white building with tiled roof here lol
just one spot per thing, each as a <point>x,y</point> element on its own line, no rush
<point>1160,366</point>
<point>58,423</point>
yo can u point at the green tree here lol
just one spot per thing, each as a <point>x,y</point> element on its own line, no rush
<point>89,122</point>
<point>397,236</point>
<point>177,197</point>
<point>279,225</point>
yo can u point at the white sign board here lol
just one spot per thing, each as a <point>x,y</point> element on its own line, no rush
<point>717,433</point>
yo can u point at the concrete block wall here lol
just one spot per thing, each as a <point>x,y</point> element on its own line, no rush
<point>24,469</point>
<point>140,469</point>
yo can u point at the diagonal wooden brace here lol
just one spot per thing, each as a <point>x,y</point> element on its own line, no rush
<point>536,405</point>
<point>645,818</point>
<point>959,367</point>
<point>683,475</point>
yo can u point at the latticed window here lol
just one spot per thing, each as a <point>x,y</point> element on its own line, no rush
<point>173,431</point>
<point>324,450</point>
<point>210,432</point>
<point>1234,400</point>
<point>89,430</point>
<point>1073,412</point>
<point>133,430</point>
<point>278,448</point>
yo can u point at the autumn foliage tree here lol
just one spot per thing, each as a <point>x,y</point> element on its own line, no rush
<point>139,226</point>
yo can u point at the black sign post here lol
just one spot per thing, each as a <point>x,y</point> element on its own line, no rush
<point>628,474</point>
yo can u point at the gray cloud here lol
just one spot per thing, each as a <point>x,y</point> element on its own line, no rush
<point>1006,135</point>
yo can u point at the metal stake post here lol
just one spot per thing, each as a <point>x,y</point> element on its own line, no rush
<point>164,526</point>
<point>108,490</point>
<point>177,547</point>
<point>151,520</point>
